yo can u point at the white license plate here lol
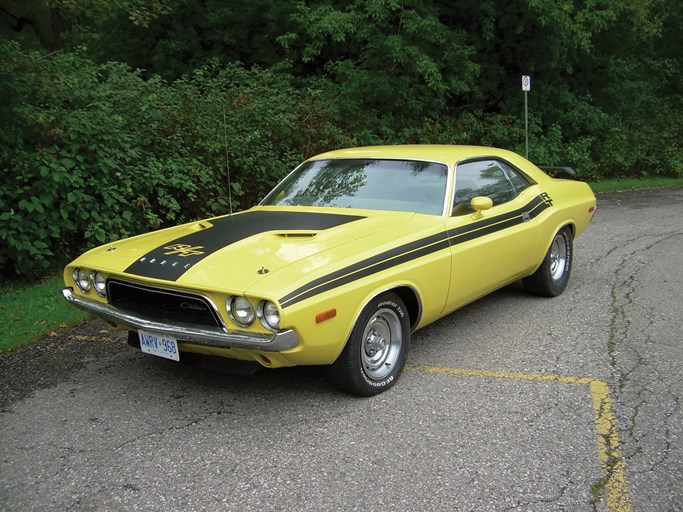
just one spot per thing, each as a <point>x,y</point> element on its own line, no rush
<point>158,344</point>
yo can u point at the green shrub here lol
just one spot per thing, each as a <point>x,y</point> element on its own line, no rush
<point>89,161</point>
<point>92,152</point>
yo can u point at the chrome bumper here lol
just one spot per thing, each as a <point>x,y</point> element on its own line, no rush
<point>274,342</point>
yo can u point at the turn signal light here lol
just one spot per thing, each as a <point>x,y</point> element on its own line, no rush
<point>325,315</point>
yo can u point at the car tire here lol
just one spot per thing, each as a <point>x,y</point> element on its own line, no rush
<point>375,353</point>
<point>552,276</point>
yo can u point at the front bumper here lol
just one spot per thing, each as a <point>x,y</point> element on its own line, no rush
<point>275,342</point>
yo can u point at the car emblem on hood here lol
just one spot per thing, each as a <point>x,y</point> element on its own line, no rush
<point>184,250</point>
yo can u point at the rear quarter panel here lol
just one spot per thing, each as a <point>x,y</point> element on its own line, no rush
<point>575,204</point>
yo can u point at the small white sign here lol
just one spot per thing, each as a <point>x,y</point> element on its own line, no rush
<point>526,83</point>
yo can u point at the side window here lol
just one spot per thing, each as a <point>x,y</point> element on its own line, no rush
<point>490,178</point>
<point>518,180</point>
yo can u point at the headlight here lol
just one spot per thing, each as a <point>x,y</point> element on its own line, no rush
<point>82,280</point>
<point>269,315</point>
<point>240,310</point>
<point>99,283</point>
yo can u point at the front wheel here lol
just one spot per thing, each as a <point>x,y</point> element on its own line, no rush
<point>552,276</point>
<point>375,354</point>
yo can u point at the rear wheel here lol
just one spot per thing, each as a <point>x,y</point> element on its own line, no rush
<point>552,276</point>
<point>375,354</point>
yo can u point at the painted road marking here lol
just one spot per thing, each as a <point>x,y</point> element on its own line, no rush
<point>613,483</point>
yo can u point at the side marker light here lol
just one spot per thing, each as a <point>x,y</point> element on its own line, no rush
<point>325,315</point>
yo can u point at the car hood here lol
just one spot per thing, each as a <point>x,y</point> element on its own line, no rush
<point>236,252</point>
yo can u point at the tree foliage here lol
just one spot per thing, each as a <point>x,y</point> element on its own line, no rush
<point>116,114</point>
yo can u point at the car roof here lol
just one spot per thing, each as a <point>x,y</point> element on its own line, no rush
<point>432,152</point>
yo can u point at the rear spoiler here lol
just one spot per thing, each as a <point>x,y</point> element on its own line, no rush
<point>558,172</point>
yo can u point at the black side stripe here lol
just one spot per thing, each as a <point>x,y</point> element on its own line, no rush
<point>173,259</point>
<point>368,267</point>
<point>415,250</point>
<point>489,226</point>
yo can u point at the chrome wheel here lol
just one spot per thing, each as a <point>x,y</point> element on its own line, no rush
<point>382,338</point>
<point>374,355</point>
<point>558,257</point>
<point>552,276</point>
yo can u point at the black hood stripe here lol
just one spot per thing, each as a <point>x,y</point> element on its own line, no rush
<point>173,259</point>
<point>415,250</point>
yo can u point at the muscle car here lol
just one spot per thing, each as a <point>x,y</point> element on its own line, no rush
<point>343,260</point>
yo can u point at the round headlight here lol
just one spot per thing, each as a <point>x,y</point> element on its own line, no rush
<point>99,284</point>
<point>269,315</point>
<point>240,310</point>
<point>82,280</point>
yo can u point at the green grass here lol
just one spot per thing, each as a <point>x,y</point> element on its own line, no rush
<point>626,184</point>
<point>31,310</point>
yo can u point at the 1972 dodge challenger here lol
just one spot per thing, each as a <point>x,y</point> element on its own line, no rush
<point>348,255</point>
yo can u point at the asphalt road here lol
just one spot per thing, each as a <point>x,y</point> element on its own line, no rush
<point>512,403</point>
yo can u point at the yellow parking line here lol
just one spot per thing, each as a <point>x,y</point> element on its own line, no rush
<point>614,481</point>
<point>611,461</point>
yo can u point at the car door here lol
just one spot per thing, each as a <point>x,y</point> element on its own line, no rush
<point>493,247</point>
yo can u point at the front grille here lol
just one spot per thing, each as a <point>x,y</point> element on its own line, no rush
<point>164,306</point>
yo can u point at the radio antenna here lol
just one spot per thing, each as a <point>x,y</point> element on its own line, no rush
<point>227,160</point>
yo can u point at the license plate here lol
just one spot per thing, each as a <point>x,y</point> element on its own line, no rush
<point>158,344</point>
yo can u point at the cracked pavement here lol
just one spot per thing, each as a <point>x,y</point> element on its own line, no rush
<point>87,423</point>
<point>645,344</point>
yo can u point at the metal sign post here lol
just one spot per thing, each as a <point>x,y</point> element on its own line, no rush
<point>526,87</point>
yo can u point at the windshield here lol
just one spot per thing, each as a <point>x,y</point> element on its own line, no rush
<point>397,185</point>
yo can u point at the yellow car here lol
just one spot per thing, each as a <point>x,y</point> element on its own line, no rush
<point>348,255</point>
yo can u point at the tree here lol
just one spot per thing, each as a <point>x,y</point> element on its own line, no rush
<point>392,64</point>
<point>50,23</point>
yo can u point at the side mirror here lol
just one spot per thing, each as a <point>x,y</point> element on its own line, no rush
<point>479,204</point>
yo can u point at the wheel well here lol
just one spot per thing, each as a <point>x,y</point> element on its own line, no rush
<point>571,227</point>
<point>413,304</point>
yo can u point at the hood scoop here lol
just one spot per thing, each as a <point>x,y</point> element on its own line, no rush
<point>296,236</point>
<point>201,225</point>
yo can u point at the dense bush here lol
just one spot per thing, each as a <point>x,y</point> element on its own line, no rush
<point>91,159</point>
<point>92,153</point>
<point>93,149</point>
